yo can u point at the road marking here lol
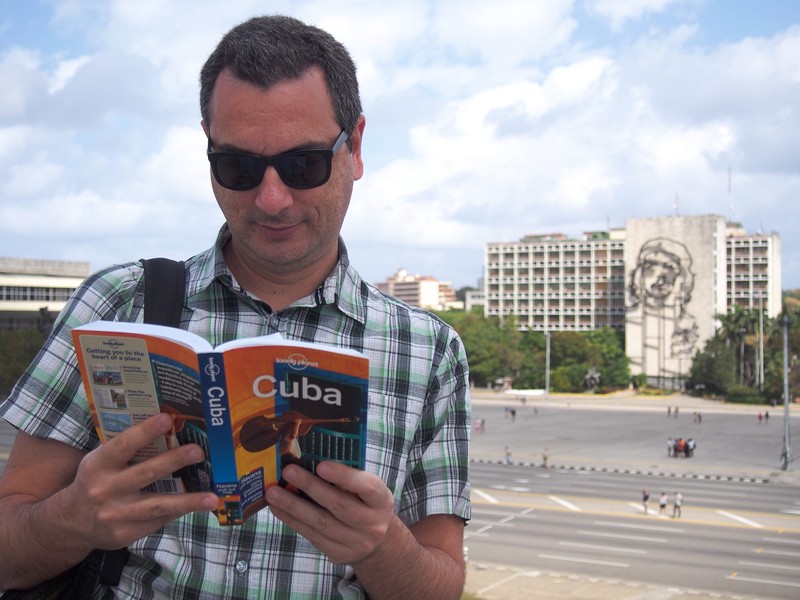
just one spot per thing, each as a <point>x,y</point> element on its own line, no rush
<point>778,552</point>
<point>486,496</point>
<point>489,523</point>
<point>507,579</point>
<point>768,565</point>
<point>734,577</point>
<point>643,527</point>
<point>605,563</point>
<point>604,548</point>
<point>780,540</point>
<point>564,503</point>
<point>623,537</point>
<point>725,513</point>
<point>650,511</point>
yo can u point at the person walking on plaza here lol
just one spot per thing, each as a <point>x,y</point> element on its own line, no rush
<point>645,500</point>
<point>662,504</point>
<point>677,503</point>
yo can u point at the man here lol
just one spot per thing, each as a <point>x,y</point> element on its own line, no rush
<point>276,88</point>
<point>677,503</point>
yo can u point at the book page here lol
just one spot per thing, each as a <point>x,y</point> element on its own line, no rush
<point>130,377</point>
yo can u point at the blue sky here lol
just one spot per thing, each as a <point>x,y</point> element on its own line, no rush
<point>486,121</point>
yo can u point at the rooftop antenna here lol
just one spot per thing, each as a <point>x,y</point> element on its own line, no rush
<point>677,205</point>
<point>731,215</point>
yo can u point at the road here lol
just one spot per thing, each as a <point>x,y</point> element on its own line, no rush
<point>735,537</point>
<point>577,530</point>
<point>738,536</point>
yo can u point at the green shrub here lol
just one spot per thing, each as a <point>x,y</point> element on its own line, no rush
<point>742,394</point>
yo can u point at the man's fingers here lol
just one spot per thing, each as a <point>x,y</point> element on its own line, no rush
<point>124,447</point>
<point>371,490</point>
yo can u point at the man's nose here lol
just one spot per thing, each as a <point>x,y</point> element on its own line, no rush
<point>273,195</point>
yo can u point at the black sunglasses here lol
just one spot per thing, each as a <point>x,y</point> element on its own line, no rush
<point>299,169</point>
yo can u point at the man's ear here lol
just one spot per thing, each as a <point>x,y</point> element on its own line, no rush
<point>356,138</point>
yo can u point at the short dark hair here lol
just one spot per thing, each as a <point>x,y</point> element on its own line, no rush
<point>267,50</point>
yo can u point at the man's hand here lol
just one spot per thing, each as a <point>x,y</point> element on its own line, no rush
<point>352,516</point>
<point>106,495</point>
<point>353,522</point>
<point>64,502</point>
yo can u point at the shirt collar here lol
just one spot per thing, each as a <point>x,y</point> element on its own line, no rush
<point>342,288</point>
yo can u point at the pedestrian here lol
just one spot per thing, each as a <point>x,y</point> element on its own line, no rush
<point>645,500</point>
<point>545,456</point>
<point>699,417</point>
<point>690,446</point>
<point>508,456</point>
<point>670,446</point>
<point>760,418</point>
<point>281,111</point>
<point>675,412</point>
<point>677,502</point>
<point>662,504</point>
<point>766,417</point>
<point>669,411</point>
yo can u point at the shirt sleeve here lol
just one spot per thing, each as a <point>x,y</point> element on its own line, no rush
<point>48,401</point>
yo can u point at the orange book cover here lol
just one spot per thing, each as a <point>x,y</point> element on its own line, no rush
<point>253,404</point>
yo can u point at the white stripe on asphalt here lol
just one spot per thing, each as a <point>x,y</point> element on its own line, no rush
<point>725,513</point>
<point>486,496</point>
<point>752,563</point>
<point>619,536</point>
<point>642,527</point>
<point>768,581</point>
<point>605,563</point>
<point>603,548</point>
<point>564,503</point>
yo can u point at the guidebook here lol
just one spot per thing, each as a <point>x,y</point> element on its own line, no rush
<point>254,404</point>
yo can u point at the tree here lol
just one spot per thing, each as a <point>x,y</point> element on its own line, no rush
<point>17,350</point>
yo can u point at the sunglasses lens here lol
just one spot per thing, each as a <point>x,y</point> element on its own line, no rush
<point>304,169</point>
<point>238,172</point>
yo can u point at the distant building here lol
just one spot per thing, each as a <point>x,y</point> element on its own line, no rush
<point>421,291</point>
<point>473,298</point>
<point>33,292</point>
<point>661,280</point>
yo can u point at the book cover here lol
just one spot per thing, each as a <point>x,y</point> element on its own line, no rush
<point>254,405</point>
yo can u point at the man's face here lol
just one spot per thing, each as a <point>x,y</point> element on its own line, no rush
<point>659,272</point>
<point>278,230</point>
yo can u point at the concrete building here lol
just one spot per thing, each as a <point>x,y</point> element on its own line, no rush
<point>422,291</point>
<point>553,283</point>
<point>32,291</point>
<point>662,280</point>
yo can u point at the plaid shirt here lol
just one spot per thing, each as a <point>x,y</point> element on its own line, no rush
<point>418,426</point>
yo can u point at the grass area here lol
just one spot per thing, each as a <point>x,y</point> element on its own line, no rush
<point>470,597</point>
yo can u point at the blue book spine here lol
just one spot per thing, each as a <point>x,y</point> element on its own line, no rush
<point>218,424</point>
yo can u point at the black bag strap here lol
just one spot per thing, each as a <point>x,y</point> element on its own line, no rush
<point>164,291</point>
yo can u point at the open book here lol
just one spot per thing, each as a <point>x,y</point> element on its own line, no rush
<point>253,404</point>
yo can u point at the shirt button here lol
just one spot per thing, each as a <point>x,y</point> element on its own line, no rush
<point>241,567</point>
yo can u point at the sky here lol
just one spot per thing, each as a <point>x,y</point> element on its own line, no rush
<point>486,121</point>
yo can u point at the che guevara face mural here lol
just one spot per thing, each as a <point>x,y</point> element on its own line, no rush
<point>661,287</point>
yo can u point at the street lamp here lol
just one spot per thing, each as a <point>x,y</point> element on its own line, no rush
<point>761,341</point>
<point>547,365</point>
<point>787,447</point>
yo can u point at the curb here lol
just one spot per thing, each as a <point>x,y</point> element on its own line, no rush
<point>760,480</point>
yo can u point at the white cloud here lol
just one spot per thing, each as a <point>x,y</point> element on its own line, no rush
<point>485,121</point>
<point>618,12</point>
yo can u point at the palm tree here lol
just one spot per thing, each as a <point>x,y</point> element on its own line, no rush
<point>740,327</point>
